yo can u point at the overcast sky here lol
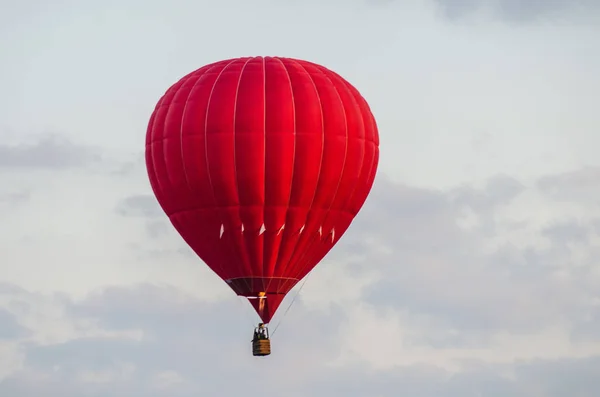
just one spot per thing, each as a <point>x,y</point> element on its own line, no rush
<point>472,271</point>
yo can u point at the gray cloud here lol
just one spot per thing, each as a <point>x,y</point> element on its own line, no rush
<point>183,346</point>
<point>145,206</point>
<point>49,151</point>
<point>14,198</point>
<point>181,335</point>
<point>499,190</point>
<point>139,205</point>
<point>517,10</point>
<point>568,232</point>
<point>9,326</point>
<point>435,267</point>
<point>582,185</point>
<point>548,378</point>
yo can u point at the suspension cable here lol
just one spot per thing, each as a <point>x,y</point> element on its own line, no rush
<point>290,305</point>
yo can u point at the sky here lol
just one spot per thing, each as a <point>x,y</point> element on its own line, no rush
<point>472,270</point>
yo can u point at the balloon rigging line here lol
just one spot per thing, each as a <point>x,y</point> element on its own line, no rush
<point>290,305</point>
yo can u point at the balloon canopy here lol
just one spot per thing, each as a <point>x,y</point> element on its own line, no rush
<point>261,164</point>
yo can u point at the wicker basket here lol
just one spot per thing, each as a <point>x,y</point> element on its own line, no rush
<point>261,347</point>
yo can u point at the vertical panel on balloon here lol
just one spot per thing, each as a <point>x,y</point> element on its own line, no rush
<point>172,142</point>
<point>307,160</point>
<point>332,167</point>
<point>201,228</point>
<point>279,159</point>
<point>338,219</point>
<point>250,158</point>
<point>154,181</point>
<point>369,167</point>
<point>220,153</point>
<point>158,158</point>
<point>193,149</point>
<point>373,133</point>
<point>355,145</point>
<point>366,179</point>
<point>367,176</point>
<point>157,132</point>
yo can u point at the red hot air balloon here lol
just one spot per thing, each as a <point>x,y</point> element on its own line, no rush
<point>261,164</point>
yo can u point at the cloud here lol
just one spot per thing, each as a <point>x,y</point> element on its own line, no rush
<point>146,207</point>
<point>48,151</point>
<point>142,205</point>
<point>545,378</point>
<point>9,327</point>
<point>151,340</point>
<point>578,186</point>
<point>517,10</point>
<point>10,198</point>
<point>178,351</point>
<point>466,275</point>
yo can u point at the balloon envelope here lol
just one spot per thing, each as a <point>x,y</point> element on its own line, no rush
<point>261,163</point>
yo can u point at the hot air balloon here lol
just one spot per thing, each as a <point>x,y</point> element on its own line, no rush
<point>261,164</point>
